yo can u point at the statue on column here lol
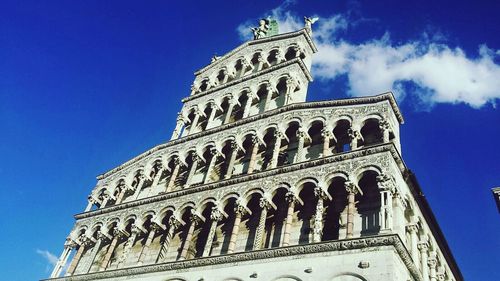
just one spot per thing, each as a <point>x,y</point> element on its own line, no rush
<point>309,22</point>
<point>261,31</point>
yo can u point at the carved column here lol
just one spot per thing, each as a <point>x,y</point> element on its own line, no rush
<point>196,118</point>
<point>327,135</point>
<point>301,135</point>
<point>193,89</point>
<point>239,210</point>
<point>244,66</point>
<point>264,205</point>
<point>232,159</point>
<point>412,229</point>
<point>279,56</point>
<point>230,108</point>
<point>432,263</point>
<point>291,199</point>
<point>194,220</point>
<point>192,169</point>
<point>211,164</point>
<point>290,88</point>
<point>128,245</point>
<point>269,96</point>
<point>140,181</point>
<point>213,111</point>
<point>95,250</point>
<point>352,189</point>
<point>423,247</point>
<point>61,262</point>
<point>215,217</point>
<point>253,155</point>
<point>385,128</point>
<point>226,76</point>
<point>318,215</point>
<point>178,127</point>
<point>173,176</point>
<point>117,234</point>
<point>84,242</point>
<point>260,62</point>
<point>248,104</point>
<point>174,224</point>
<point>91,202</point>
<point>354,136</point>
<point>276,150</point>
<point>386,189</point>
<point>153,228</point>
<point>124,188</point>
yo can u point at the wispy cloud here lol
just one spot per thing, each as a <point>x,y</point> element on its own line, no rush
<point>49,257</point>
<point>426,68</point>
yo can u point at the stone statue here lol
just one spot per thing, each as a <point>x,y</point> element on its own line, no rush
<point>309,22</point>
<point>261,31</point>
<point>215,58</point>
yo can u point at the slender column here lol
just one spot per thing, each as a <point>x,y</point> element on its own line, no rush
<point>290,88</point>
<point>141,178</point>
<point>327,135</point>
<point>215,217</point>
<point>95,250</point>
<point>91,202</point>
<point>61,262</point>
<point>253,155</point>
<point>173,176</point>
<point>213,111</point>
<point>192,169</point>
<point>384,127</point>
<point>159,168</point>
<point>194,220</point>
<point>385,187</point>
<point>117,234</point>
<point>412,229</point>
<point>193,89</point>
<point>84,242</point>
<point>260,62</point>
<point>248,104</point>
<point>226,75</point>
<point>151,235</point>
<point>195,121</point>
<point>352,190</point>
<point>301,135</point>
<point>355,136</point>
<point>432,263</point>
<point>244,66</point>
<point>239,210</point>
<point>276,149</point>
<point>174,224</point>
<point>269,96</point>
<point>230,108</point>
<point>279,56</point>
<point>291,199</point>
<point>178,127</point>
<point>128,245</point>
<point>211,164</point>
<point>318,215</point>
<point>423,247</point>
<point>232,159</point>
<point>264,205</point>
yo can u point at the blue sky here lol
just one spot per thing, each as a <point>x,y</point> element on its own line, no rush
<point>87,85</point>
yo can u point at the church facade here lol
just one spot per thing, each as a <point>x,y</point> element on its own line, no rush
<point>258,184</point>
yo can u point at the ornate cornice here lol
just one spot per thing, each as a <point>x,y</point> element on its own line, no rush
<point>245,178</point>
<point>252,76</point>
<point>297,106</point>
<point>260,41</point>
<point>310,249</point>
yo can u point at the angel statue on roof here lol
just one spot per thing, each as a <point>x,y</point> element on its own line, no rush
<point>309,21</point>
<point>261,31</point>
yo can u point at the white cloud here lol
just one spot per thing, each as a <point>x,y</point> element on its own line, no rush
<point>51,258</point>
<point>440,74</point>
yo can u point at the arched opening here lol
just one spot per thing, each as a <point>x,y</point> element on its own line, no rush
<point>250,222</point>
<point>371,132</point>
<point>266,154</point>
<point>275,220</point>
<point>313,146</point>
<point>369,204</point>
<point>305,215</point>
<point>336,216</point>
<point>222,235</point>
<point>204,85</point>
<point>272,58</point>
<point>341,133</point>
<point>281,92</point>
<point>202,231</point>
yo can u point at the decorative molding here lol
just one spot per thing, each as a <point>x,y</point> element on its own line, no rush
<point>314,248</point>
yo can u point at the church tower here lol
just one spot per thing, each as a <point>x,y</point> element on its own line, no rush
<point>258,184</point>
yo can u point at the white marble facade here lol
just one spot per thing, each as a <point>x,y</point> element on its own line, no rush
<point>257,184</point>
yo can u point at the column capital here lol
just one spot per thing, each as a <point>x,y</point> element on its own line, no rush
<point>354,134</point>
<point>384,124</point>
<point>352,188</point>
<point>320,193</point>
<point>301,133</point>
<point>432,262</point>
<point>291,82</point>
<point>279,134</point>
<point>181,118</point>
<point>240,208</point>
<point>385,183</point>
<point>327,133</point>
<point>423,246</point>
<point>216,214</point>
<point>196,218</point>
<point>265,203</point>
<point>174,222</point>
<point>291,196</point>
<point>412,227</point>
